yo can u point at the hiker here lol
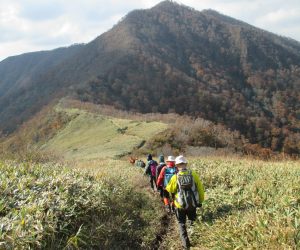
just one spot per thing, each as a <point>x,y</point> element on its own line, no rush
<point>150,170</point>
<point>162,181</point>
<point>158,171</point>
<point>132,160</point>
<point>140,163</point>
<point>189,194</point>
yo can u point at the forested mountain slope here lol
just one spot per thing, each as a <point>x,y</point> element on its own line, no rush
<point>23,89</point>
<point>174,58</point>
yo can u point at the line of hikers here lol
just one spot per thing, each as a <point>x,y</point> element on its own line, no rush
<point>179,187</point>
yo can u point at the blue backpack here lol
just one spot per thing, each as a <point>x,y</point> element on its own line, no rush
<point>169,172</point>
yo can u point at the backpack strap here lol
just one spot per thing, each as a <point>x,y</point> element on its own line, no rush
<point>179,189</point>
<point>193,194</point>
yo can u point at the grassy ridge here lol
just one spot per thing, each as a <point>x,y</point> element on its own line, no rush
<point>53,207</point>
<point>92,136</point>
<point>249,204</point>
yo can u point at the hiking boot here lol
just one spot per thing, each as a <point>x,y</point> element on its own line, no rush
<point>187,245</point>
<point>173,207</point>
<point>168,209</point>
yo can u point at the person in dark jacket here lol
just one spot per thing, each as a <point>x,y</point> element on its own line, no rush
<point>158,170</point>
<point>150,170</point>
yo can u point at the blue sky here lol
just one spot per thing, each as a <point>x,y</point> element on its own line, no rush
<point>33,25</point>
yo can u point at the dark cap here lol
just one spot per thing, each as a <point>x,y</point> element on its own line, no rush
<point>161,158</point>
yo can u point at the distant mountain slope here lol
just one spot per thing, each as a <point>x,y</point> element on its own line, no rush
<point>174,58</point>
<point>23,89</point>
<point>20,71</point>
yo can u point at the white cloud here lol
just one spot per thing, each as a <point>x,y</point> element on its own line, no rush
<point>41,10</point>
<point>280,16</point>
<point>271,15</point>
<point>34,25</point>
<point>19,47</point>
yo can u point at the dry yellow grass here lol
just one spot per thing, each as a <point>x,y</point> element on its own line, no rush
<point>94,205</point>
<point>93,136</point>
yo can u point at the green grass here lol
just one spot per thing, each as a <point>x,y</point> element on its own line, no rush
<point>52,207</point>
<point>92,136</point>
<point>249,204</point>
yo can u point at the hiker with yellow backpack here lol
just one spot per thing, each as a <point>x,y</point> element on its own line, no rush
<point>188,194</point>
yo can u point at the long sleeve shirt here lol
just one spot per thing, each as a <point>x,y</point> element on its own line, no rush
<point>172,187</point>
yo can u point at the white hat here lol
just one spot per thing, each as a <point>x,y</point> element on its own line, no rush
<point>171,158</point>
<point>180,159</point>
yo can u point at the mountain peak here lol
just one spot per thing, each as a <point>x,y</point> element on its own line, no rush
<point>168,6</point>
<point>166,3</point>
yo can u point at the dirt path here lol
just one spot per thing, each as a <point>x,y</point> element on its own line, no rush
<point>171,237</point>
<point>165,224</point>
<point>168,235</point>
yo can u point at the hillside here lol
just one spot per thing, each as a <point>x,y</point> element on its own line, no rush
<point>172,58</point>
<point>74,133</point>
<point>22,92</point>
<point>92,136</point>
<point>80,131</point>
